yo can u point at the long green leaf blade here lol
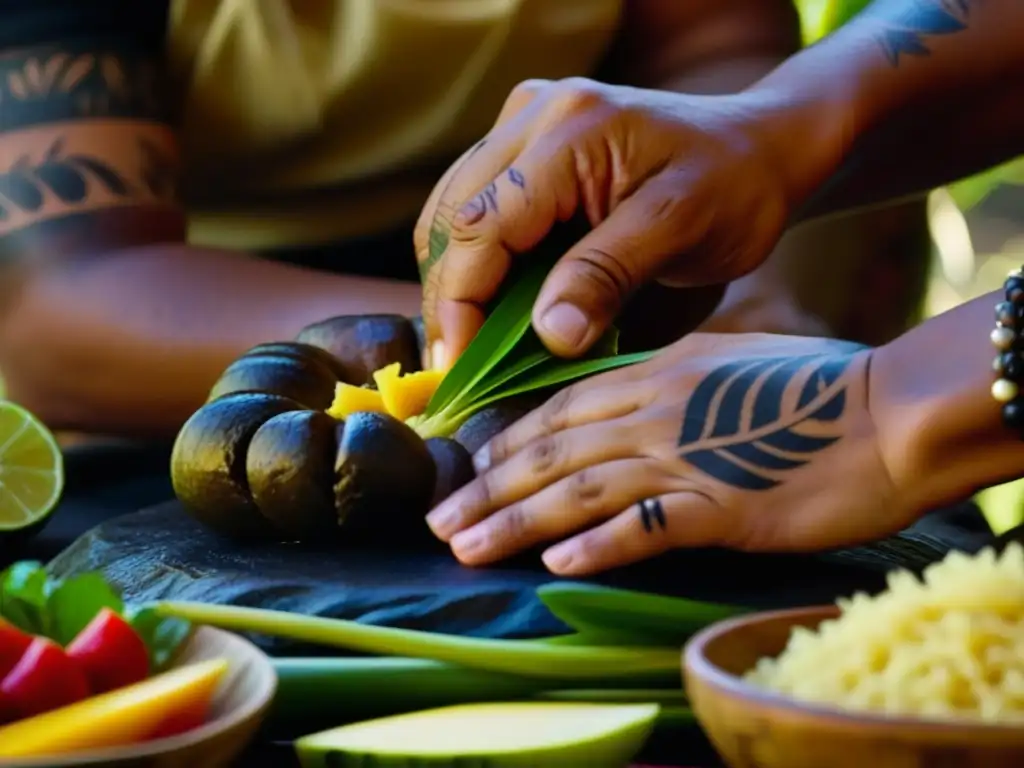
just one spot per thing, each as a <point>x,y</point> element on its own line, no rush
<point>512,656</point>
<point>504,327</point>
<point>560,372</point>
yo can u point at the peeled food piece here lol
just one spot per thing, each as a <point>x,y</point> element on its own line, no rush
<point>304,380</point>
<point>208,463</point>
<point>301,351</point>
<point>406,395</point>
<point>126,716</point>
<point>290,469</point>
<point>454,467</point>
<point>383,478</point>
<point>523,735</point>
<point>349,399</point>
<point>365,343</point>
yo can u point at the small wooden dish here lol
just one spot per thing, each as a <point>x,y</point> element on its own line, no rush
<point>238,709</point>
<point>752,728</point>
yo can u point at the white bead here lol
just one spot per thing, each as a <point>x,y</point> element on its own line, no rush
<point>1014,273</point>
<point>1002,338</point>
<point>997,364</point>
<point>1004,390</point>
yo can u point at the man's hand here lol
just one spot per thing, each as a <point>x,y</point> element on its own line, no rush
<point>753,442</point>
<point>689,189</point>
<point>778,314</point>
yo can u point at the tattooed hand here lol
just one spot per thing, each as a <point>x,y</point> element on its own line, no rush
<point>752,442</point>
<point>683,188</point>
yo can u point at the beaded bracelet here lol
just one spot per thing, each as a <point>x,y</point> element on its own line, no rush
<point>1009,365</point>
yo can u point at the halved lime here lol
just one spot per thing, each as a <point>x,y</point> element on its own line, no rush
<point>31,470</point>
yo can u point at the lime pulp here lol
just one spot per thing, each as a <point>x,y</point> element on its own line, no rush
<point>31,469</point>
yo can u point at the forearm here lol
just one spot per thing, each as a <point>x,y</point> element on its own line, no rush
<point>131,341</point>
<point>931,399</point>
<point>879,104</point>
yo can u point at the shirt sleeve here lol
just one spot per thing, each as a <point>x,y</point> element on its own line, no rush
<point>139,25</point>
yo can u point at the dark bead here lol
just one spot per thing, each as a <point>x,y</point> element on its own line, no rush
<point>1011,365</point>
<point>1006,314</point>
<point>1014,289</point>
<point>1013,414</point>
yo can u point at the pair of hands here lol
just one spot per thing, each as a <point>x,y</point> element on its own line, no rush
<point>717,441</point>
<point>751,442</point>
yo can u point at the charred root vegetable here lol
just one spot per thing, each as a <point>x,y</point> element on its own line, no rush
<point>339,435</point>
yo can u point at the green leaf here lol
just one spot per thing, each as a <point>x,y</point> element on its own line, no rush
<point>557,371</point>
<point>72,604</point>
<point>504,327</point>
<point>24,588</point>
<point>162,635</point>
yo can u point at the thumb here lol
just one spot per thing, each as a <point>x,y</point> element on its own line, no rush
<point>590,284</point>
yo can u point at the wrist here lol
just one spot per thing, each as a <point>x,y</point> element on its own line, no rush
<point>940,431</point>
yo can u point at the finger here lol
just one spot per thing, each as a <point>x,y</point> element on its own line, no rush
<point>648,528</point>
<point>610,396</point>
<point>585,498</point>
<point>590,284</point>
<point>510,214</point>
<point>540,463</point>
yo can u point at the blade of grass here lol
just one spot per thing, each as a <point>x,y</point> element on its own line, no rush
<point>495,655</point>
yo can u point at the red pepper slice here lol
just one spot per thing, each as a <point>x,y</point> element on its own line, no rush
<point>13,644</point>
<point>110,653</point>
<point>43,679</point>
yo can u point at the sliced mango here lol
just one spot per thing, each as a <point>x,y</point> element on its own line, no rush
<point>349,399</point>
<point>500,735</point>
<point>408,395</point>
<point>122,717</point>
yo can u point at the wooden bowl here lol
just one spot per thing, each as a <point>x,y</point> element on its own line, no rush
<point>237,711</point>
<point>752,728</point>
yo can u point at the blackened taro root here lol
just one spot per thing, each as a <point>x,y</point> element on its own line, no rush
<point>208,463</point>
<point>290,469</point>
<point>454,466</point>
<point>299,350</point>
<point>488,423</point>
<point>366,343</point>
<point>383,479</point>
<point>303,379</point>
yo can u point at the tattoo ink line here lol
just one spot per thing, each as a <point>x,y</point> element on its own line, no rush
<point>739,428</point>
<point>908,28</point>
<point>651,514</point>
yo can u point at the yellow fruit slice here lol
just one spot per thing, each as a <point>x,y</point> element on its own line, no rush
<point>408,395</point>
<point>122,717</point>
<point>349,399</point>
<point>510,735</point>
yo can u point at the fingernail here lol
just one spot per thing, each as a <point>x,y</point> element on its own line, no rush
<point>557,558</point>
<point>442,521</point>
<point>566,322</point>
<point>439,356</point>
<point>467,542</point>
<point>482,459</point>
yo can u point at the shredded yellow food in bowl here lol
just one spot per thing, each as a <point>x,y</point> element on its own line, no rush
<point>950,645</point>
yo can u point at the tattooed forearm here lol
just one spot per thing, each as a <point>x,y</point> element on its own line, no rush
<point>750,422</point>
<point>907,25</point>
<point>81,131</point>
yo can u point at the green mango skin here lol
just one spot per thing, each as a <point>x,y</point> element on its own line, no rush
<point>383,480</point>
<point>208,463</point>
<point>454,467</point>
<point>301,351</point>
<point>305,380</point>
<point>290,470</point>
<point>363,344</point>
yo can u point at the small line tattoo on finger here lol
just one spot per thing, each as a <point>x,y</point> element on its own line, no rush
<point>517,178</point>
<point>652,514</point>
